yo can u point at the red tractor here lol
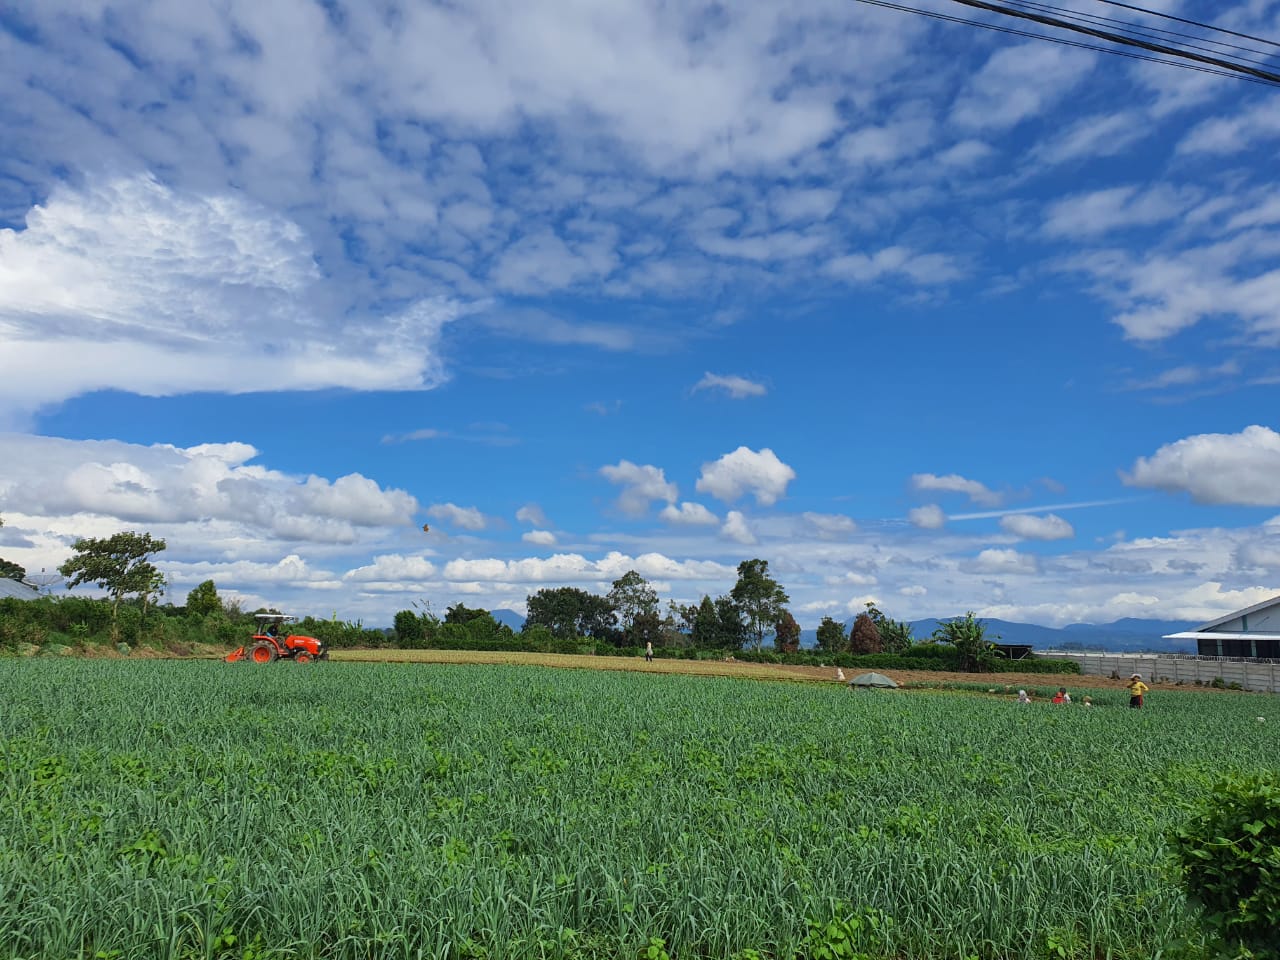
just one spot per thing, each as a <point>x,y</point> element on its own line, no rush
<point>267,645</point>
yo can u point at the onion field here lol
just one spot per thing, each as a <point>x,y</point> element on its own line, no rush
<point>186,810</point>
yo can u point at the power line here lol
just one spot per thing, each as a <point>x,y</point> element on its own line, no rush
<point>1193,23</point>
<point>1141,31</point>
<point>1267,76</point>
<point>987,25</point>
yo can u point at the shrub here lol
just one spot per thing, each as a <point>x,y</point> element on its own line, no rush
<point>1230,860</point>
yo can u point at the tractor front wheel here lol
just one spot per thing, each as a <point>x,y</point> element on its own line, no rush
<point>302,656</point>
<point>262,652</point>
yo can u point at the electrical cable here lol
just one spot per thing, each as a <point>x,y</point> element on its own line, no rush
<point>1194,23</point>
<point>1267,76</point>
<point>986,25</point>
<point>1144,32</point>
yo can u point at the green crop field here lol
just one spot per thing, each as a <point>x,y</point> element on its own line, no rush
<point>199,810</point>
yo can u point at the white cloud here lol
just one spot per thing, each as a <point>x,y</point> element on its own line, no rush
<point>923,268</point>
<point>1017,83</point>
<point>735,528</point>
<point>1232,134</point>
<point>737,387</point>
<point>1234,468</point>
<point>392,568</point>
<point>1028,527</point>
<point>641,485</point>
<point>913,591</point>
<point>1100,135</point>
<point>208,482</point>
<point>289,571</point>
<point>532,514</point>
<point>954,483</point>
<point>1100,211</point>
<point>573,567</point>
<point>1004,561</point>
<point>746,471</point>
<point>830,526</point>
<point>928,517</point>
<point>466,518</point>
<point>688,513</point>
<point>543,538</point>
<point>128,284</point>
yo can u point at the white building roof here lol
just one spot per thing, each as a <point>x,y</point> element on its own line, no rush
<point>17,589</point>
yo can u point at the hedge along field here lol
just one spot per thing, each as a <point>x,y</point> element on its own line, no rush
<point>200,810</point>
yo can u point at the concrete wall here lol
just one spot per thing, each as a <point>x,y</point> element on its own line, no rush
<point>1264,677</point>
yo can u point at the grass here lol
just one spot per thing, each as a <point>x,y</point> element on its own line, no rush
<point>188,809</point>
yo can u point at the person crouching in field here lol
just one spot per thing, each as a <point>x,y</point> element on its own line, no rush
<point>1136,689</point>
<point>1022,697</point>
<point>1062,696</point>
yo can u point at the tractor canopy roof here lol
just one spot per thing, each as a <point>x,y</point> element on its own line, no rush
<point>274,617</point>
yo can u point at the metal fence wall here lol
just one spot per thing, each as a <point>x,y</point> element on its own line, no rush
<point>1262,677</point>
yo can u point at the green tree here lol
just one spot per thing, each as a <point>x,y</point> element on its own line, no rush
<point>705,631</point>
<point>864,638</point>
<point>969,636</point>
<point>204,600</point>
<point>786,633</point>
<point>119,564</point>
<point>460,613</point>
<point>759,597</point>
<point>634,600</point>
<point>831,637</point>
<point>569,612</point>
<point>731,632</point>
<point>895,635</point>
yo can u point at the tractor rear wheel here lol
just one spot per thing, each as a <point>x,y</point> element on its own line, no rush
<point>302,656</point>
<point>263,652</point>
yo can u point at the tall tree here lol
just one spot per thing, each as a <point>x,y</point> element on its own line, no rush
<point>119,564</point>
<point>968,635</point>
<point>865,636</point>
<point>460,613</point>
<point>569,612</point>
<point>895,635</point>
<point>705,632</point>
<point>786,633</point>
<point>634,600</point>
<point>759,597</point>
<point>204,600</point>
<point>831,637</point>
<point>731,632</point>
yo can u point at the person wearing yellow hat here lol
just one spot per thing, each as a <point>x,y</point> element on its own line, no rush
<point>1136,689</point>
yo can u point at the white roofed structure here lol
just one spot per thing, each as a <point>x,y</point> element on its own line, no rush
<point>1252,633</point>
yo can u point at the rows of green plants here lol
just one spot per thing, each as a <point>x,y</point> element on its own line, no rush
<point>185,810</point>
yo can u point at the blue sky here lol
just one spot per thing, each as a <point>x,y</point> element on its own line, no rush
<point>918,313</point>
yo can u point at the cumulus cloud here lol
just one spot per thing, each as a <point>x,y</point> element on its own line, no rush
<point>739,388</point>
<point>532,514</point>
<point>954,483</point>
<point>735,528</point>
<point>467,518</point>
<point>830,526</point>
<point>543,538</point>
<point>392,568</point>
<point>1002,561</point>
<point>207,482</point>
<point>746,471</point>
<point>574,567</point>
<point>690,514</point>
<point>641,485</point>
<point>1228,468</point>
<point>915,590</point>
<point>1029,527</point>
<point>928,517</point>
<point>131,285</point>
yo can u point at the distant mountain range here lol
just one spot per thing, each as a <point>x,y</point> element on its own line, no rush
<point>1129,634</point>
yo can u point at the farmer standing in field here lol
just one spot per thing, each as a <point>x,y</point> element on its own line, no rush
<point>1136,689</point>
<point>648,651</point>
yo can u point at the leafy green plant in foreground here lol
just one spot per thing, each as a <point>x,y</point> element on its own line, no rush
<point>1230,858</point>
